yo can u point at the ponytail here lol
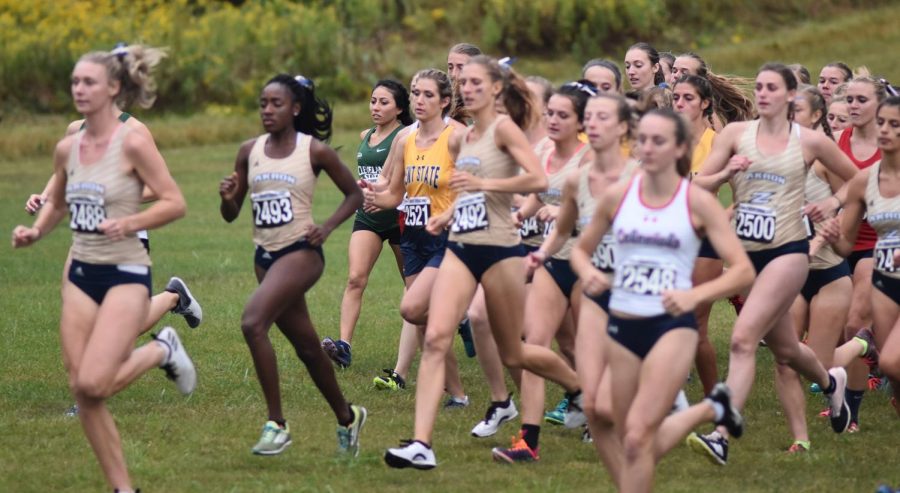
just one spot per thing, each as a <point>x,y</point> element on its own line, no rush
<point>515,95</point>
<point>315,115</point>
<point>131,66</point>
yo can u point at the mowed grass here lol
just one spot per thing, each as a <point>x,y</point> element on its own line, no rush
<point>202,443</point>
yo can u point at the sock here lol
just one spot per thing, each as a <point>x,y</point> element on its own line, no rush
<point>806,444</point>
<point>865,345</point>
<point>504,403</point>
<point>718,409</point>
<point>831,385</point>
<point>352,416</point>
<point>531,434</point>
<point>854,399</point>
<point>280,422</point>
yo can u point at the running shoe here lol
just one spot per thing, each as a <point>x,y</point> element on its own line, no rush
<point>840,410</point>
<point>814,388</point>
<point>870,352</point>
<point>714,446</point>
<point>177,364</point>
<point>731,419</point>
<point>72,412</point>
<point>456,402</point>
<point>518,452</point>
<point>799,447</point>
<point>826,413</point>
<point>497,414</point>
<point>348,436</point>
<point>575,417</point>
<point>274,439</point>
<point>393,381</point>
<point>465,333</point>
<point>681,402</point>
<point>338,351</point>
<point>853,427</point>
<point>410,453</point>
<point>187,305</point>
<point>558,415</point>
<point>586,435</point>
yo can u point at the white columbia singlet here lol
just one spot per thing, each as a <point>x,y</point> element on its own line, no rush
<point>655,250</point>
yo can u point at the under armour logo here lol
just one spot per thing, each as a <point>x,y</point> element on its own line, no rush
<point>79,272</point>
<point>612,329</point>
<point>420,157</point>
<point>266,256</point>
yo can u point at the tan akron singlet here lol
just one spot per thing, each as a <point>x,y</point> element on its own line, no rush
<point>483,218</point>
<point>281,191</point>
<point>769,195</point>
<point>883,214</point>
<point>98,191</point>
<point>603,258</point>
<point>818,189</point>
<point>553,195</point>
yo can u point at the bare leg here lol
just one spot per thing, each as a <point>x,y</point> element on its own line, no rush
<point>362,253</point>
<point>486,348</point>
<point>705,270</point>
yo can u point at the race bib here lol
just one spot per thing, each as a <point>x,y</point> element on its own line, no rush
<point>755,223</point>
<point>272,208</point>
<point>549,227</point>
<point>418,211</point>
<point>603,257</point>
<point>531,227</point>
<point>470,213</point>
<point>809,227</point>
<point>884,254</point>
<point>87,212</point>
<point>645,277</point>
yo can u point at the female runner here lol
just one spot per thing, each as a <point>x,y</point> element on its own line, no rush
<point>389,109</point>
<point>766,161</point>
<point>860,143</point>
<point>821,308</point>
<point>875,192</point>
<point>642,67</point>
<point>484,247</point>
<point>423,174</point>
<point>100,173</point>
<point>693,99</point>
<point>658,219</point>
<point>279,169</point>
<point>553,293</point>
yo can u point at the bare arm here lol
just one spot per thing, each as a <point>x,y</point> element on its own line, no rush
<point>233,188</point>
<point>843,235</point>
<point>708,214</point>
<point>390,196</point>
<point>594,281</point>
<point>565,219</point>
<point>510,138</point>
<point>324,158</point>
<point>150,166</point>
<point>50,215</point>
<point>722,162</point>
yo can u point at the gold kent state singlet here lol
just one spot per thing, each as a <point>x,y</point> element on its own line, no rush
<point>426,173</point>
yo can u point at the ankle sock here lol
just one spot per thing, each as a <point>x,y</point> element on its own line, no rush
<point>531,435</point>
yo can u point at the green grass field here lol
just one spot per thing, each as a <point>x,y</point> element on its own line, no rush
<point>202,443</point>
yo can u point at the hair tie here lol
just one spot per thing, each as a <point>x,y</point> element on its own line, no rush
<point>506,62</point>
<point>889,88</point>
<point>589,90</point>
<point>304,81</point>
<point>120,50</point>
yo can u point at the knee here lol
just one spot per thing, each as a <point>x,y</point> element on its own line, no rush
<point>783,370</point>
<point>511,359</point>
<point>478,317</point>
<point>252,326</point>
<point>435,344</point>
<point>413,311</point>
<point>741,346</point>
<point>637,441</point>
<point>357,281</point>
<point>91,387</point>
<point>785,355</point>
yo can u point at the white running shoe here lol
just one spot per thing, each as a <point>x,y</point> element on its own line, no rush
<point>177,364</point>
<point>497,414</point>
<point>274,439</point>
<point>411,453</point>
<point>187,305</point>
<point>840,410</point>
<point>681,402</point>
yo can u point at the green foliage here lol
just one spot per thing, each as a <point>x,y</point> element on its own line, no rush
<point>221,53</point>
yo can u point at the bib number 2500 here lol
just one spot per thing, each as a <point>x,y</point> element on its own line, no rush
<point>755,223</point>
